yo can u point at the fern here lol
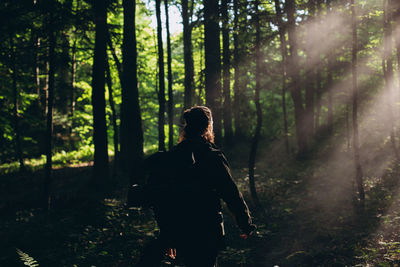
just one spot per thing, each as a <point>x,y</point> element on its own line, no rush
<point>26,259</point>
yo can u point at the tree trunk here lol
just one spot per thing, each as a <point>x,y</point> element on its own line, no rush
<point>49,108</point>
<point>283,47</point>
<point>310,74</point>
<point>37,70</point>
<point>18,148</point>
<point>227,106</point>
<point>73,80</point>
<point>170,93</point>
<point>187,54</point>
<point>131,146</point>
<point>64,76</point>
<point>237,68</point>
<point>161,81</point>
<point>213,63</point>
<point>354,65</point>
<point>113,119</point>
<point>100,171</point>
<point>254,143</point>
<point>387,64</point>
<point>329,81</point>
<point>294,74</point>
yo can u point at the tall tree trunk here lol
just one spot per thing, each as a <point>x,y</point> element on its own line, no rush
<point>64,75</point>
<point>283,47</point>
<point>387,64</point>
<point>161,80</point>
<point>396,13</point>
<point>236,66</point>
<point>256,137</point>
<point>356,145</point>
<point>73,80</point>
<point>100,171</point>
<point>170,93</point>
<point>37,70</point>
<point>227,106</point>
<point>310,74</point>
<point>329,80</point>
<point>17,132</point>
<point>187,54</point>
<point>294,74</point>
<point>49,108</point>
<point>131,123</point>
<point>113,118</point>
<point>213,63</point>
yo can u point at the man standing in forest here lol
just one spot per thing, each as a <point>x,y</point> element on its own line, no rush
<point>184,187</point>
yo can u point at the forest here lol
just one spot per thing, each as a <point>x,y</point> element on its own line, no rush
<point>305,96</point>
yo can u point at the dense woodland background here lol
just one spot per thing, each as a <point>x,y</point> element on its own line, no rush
<point>305,96</point>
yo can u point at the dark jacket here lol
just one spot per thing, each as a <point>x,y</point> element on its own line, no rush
<point>188,183</point>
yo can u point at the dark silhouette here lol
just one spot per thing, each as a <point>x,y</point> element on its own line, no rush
<point>185,186</point>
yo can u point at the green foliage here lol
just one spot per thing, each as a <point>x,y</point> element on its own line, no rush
<point>26,259</point>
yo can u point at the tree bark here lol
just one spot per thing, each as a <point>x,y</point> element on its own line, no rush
<point>170,93</point>
<point>113,119</point>
<point>131,145</point>
<point>17,132</point>
<point>73,80</point>
<point>387,64</point>
<point>161,81</point>
<point>100,171</point>
<point>294,74</point>
<point>329,81</point>
<point>356,146</point>
<point>227,105</point>
<point>256,137</point>
<point>212,55</point>
<point>187,54</point>
<point>283,47</point>
<point>49,108</point>
<point>310,74</point>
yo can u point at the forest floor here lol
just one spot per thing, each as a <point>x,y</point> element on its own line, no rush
<point>309,217</point>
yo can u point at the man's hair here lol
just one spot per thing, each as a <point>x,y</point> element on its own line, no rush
<point>198,123</point>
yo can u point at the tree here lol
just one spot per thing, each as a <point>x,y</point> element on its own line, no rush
<point>213,63</point>
<point>187,53</point>
<point>356,142</point>
<point>227,106</point>
<point>283,48</point>
<point>100,173</point>
<point>131,123</point>
<point>294,74</point>
<point>170,93</point>
<point>387,65</point>
<point>49,108</point>
<point>256,137</point>
<point>161,81</point>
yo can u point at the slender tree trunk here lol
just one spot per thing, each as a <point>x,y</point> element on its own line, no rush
<point>356,145</point>
<point>161,80</point>
<point>73,81</point>
<point>283,48</point>
<point>387,64</point>
<point>115,57</point>
<point>37,70</point>
<point>310,82</point>
<point>256,137</point>
<point>396,13</point>
<point>64,75</point>
<point>227,106</point>
<point>236,65</point>
<point>170,93</point>
<point>17,132</point>
<point>49,108</point>
<point>213,63</point>
<point>131,146</point>
<point>329,81</point>
<point>113,118</point>
<point>100,171</point>
<point>294,74</point>
<point>187,54</point>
